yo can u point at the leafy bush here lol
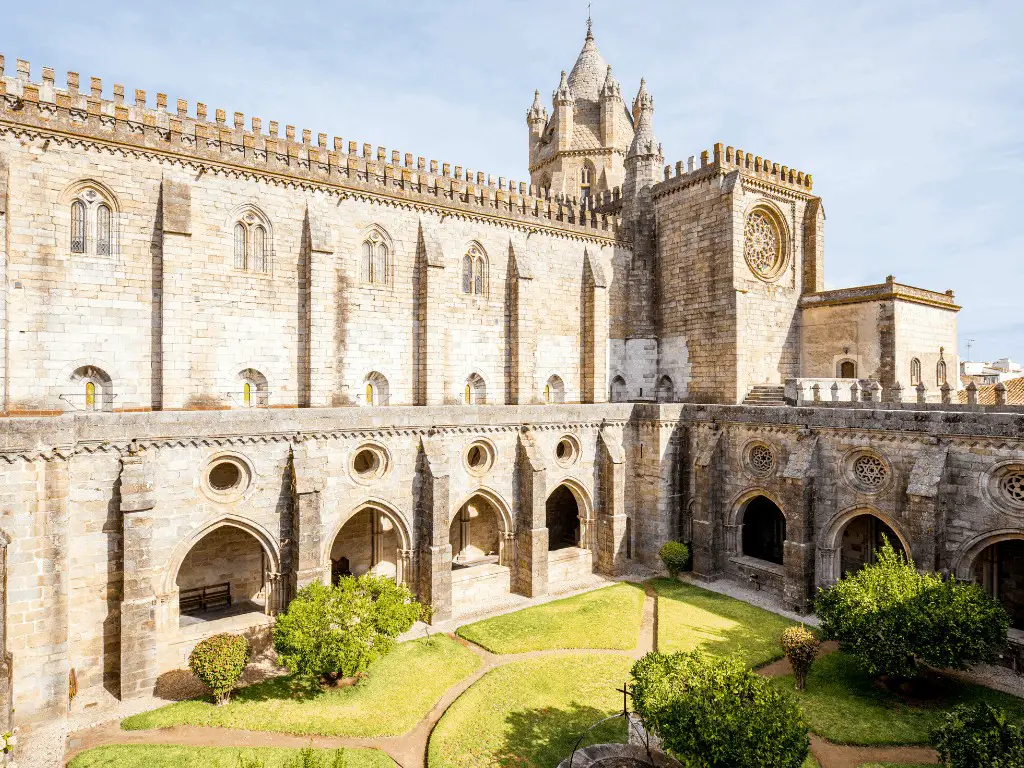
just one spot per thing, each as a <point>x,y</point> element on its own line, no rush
<point>676,557</point>
<point>892,618</point>
<point>311,758</point>
<point>977,734</point>
<point>339,631</point>
<point>218,662</point>
<point>717,713</point>
<point>800,646</point>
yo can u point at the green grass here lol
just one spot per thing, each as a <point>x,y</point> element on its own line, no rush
<point>690,618</point>
<point>528,714</point>
<point>898,765</point>
<point>401,688</point>
<point>604,618</point>
<point>845,706</point>
<point>144,756</point>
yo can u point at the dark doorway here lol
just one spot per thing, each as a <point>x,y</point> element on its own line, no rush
<point>1000,570</point>
<point>563,519</point>
<point>847,370</point>
<point>339,568</point>
<point>862,538</point>
<point>764,530</point>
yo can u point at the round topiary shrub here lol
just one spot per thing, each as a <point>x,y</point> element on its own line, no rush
<point>717,713</point>
<point>977,734</point>
<point>676,557</point>
<point>800,646</point>
<point>218,662</point>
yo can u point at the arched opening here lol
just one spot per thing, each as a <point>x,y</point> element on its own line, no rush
<point>554,390</point>
<point>618,390</point>
<point>586,181</point>
<point>253,390</point>
<point>862,538</point>
<point>999,569</point>
<point>375,389</point>
<point>482,553</point>
<point>764,530</point>
<point>666,391</point>
<point>475,391</point>
<point>368,542</point>
<point>93,390</point>
<point>562,515</point>
<point>224,575</point>
<point>915,372</point>
<point>847,369</point>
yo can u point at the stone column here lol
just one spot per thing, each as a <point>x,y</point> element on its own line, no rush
<point>141,614</point>
<point>430,301</point>
<point>826,565</point>
<point>531,571</point>
<point>321,309</point>
<point>522,338</point>
<point>173,297</point>
<point>306,549</point>
<point>922,518</point>
<point>611,514</point>
<point>707,538</point>
<point>595,332</point>
<point>432,520</point>
<point>798,505</point>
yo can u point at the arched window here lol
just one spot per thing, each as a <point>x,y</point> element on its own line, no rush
<point>618,393</point>
<point>240,246</point>
<point>666,391</point>
<point>253,243</point>
<point>474,272</point>
<point>586,174</point>
<point>103,230</point>
<point>90,395</point>
<point>847,369</point>
<point>475,392</point>
<point>254,388</point>
<point>940,373</point>
<point>375,390</point>
<point>92,390</point>
<point>259,249</point>
<point>78,227</point>
<point>369,394</point>
<point>376,259</point>
<point>554,390</point>
<point>247,393</point>
<point>915,372</point>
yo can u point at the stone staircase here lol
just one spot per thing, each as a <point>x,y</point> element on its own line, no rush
<point>766,394</point>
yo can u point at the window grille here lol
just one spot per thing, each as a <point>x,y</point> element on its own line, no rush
<point>78,227</point>
<point>259,249</point>
<point>240,244</point>
<point>102,230</point>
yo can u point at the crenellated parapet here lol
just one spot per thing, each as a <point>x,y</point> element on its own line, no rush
<point>293,158</point>
<point>724,159</point>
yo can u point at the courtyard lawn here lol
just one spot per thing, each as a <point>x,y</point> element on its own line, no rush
<point>528,714</point>
<point>690,618</point>
<point>845,706</point>
<point>898,765</point>
<point>604,618</point>
<point>400,690</point>
<point>141,756</point>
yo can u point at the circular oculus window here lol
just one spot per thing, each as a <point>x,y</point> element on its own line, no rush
<point>867,471</point>
<point>763,245</point>
<point>1003,485</point>
<point>369,462</point>
<point>567,450</point>
<point>479,457</point>
<point>760,458</point>
<point>226,478</point>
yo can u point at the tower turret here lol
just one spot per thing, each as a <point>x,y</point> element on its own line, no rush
<point>536,119</point>
<point>644,157</point>
<point>611,107</point>
<point>564,102</point>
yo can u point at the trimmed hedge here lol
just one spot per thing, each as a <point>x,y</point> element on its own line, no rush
<point>801,647</point>
<point>676,557</point>
<point>218,662</point>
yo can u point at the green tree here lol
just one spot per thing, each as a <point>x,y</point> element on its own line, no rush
<point>894,619</point>
<point>339,631</point>
<point>977,734</point>
<point>218,662</point>
<point>717,713</point>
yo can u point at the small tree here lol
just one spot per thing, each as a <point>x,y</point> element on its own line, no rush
<point>339,631</point>
<point>893,619</point>
<point>218,662</point>
<point>716,713</point>
<point>676,557</point>
<point>801,647</point>
<point>977,734</point>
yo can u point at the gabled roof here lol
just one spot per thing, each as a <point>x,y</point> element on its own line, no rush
<point>987,393</point>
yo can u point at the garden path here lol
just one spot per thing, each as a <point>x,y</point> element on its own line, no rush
<point>409,750</point>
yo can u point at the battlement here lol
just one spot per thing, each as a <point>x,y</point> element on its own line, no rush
<point>358,167</point>
<point>723,159</point>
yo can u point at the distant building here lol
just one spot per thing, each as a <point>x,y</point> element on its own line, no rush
<point>1003,369</point>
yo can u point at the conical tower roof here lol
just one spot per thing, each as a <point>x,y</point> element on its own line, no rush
<point>589,71</point>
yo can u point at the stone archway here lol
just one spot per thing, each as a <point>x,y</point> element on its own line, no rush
<point>763,532</point>
<point>996,562</point>
<point>373,538</point>
<point>568,512</point>
<point>562,517</point>
<point>483,551</point>
<point>852,540</point>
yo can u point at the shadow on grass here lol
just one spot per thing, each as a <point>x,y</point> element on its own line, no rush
<point>542,738</point>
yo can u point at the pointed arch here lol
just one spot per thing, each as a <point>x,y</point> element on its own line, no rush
<point>666,392</point>
<point>475,271</point>
<point>376,256</point>
<point>554,389</point>
<point>915,372</point>
<point>380,506</point>
<point>618,390</point>
<point>376,389</point>
<point>475,391</point>
<point>252,238</point>
<point>493,498</point>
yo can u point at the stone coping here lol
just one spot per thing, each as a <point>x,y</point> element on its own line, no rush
<point>483,571</point>
<point>758,565</point>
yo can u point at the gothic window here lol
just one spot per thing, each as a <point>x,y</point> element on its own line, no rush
<point>474,271</point>
<point>92,390</point>
<point>763,244</point>
<point>585,180</point>
<point>78,227</point>
<point>940,373</point>
<point>554,390</point>
<point>247,393</point>
<point>254,392</point>
<point>252,242</point>
<point>915,372</point>
<point>103,230</point>
<point>375,266</point>
<point>375,390</point>
<point>475,392</point>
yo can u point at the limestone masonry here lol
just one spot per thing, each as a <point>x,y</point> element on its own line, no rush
<point>236,362</point>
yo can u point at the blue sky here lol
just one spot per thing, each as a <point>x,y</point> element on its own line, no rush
<point>909,114</point>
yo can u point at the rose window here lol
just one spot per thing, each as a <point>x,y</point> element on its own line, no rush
<point>1012,486</point>
<point>762,246</point>
<point>761,459</point>
<point>869,471</point>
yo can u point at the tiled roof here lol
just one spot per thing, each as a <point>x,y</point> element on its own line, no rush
<point>987,393</point>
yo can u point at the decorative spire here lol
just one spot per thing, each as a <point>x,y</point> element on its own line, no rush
<point>644,142</point>
<point>537,113</point>
<point>564,93</point>
<point>610,89</point>
<point>590,25</point>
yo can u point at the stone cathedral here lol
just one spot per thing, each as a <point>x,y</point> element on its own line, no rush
<point>238,358</point>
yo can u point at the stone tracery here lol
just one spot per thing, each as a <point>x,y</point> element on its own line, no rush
<point>762,244</point>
